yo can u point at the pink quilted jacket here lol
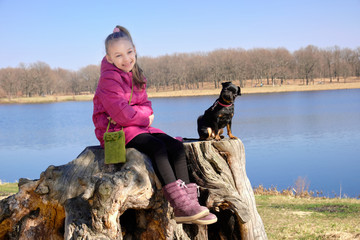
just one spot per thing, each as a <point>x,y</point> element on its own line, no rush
<point>112,99</point>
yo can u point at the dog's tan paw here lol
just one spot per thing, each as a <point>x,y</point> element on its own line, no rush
<point>217,138</point>
<point>232,137</point>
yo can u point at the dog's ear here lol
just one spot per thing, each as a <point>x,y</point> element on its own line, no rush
<point>225,84</point>
<point>239,91</point>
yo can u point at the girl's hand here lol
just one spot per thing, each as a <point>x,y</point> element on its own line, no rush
<point>112,121</point>
<point>151,119</point>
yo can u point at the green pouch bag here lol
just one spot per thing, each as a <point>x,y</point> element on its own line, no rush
<point>114,146</point>
<point>114,143</point>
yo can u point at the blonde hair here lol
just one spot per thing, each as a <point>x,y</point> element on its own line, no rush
<point>121,33</point>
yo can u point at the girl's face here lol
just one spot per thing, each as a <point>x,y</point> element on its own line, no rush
<point>122,54</point>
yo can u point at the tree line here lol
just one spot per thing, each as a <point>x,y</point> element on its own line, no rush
<point>191,70</point>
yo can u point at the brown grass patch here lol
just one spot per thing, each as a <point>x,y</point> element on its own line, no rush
<point>287,217</point>
<point>341,236</point>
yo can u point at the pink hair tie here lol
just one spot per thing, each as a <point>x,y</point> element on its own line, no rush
<point>116,30</point>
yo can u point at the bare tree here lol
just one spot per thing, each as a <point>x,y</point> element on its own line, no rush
<point>257,64</point>
<point>8,82</point>
<point>62,80</point>
<point>306,60</point>
<point>42,77</point>
<point>327,63</point>
<point>27,82</point>
<point>75,86</point>
<point>357,63</point>
<point>89,78</point>
<point>348,63</point>
<point>337,65</point>
<point>281,59</point>
<point>241,63</point>
<point>196,69</point>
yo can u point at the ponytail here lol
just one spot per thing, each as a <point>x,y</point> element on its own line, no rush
<point>137,73</point>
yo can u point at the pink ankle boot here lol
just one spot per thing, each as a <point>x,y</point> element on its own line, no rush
<point>193,192</point>
<point>185,210</point>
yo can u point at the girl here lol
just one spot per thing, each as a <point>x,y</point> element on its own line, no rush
<point>119,74</point>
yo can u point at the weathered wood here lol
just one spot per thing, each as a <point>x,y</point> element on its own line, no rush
<point>219,166</point>
<point>86,199</point>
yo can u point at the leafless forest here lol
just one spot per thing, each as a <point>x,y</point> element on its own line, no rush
<point>191,70</point>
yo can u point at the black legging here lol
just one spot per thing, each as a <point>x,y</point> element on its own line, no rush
<point>167,155</point>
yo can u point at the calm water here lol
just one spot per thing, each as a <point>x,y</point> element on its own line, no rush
<point>315,135</point>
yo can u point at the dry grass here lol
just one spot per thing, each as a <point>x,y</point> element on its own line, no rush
<point>47,99</point>
<point>295,214</point>
<point>287,217</point>
<point>299,189</point>
<point>7,189</point>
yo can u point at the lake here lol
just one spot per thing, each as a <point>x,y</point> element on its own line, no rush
<point>313,135</point>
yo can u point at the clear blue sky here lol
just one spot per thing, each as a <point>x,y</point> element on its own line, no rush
<point>70,33</point>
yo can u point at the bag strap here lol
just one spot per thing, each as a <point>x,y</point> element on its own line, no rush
<point>132,90</point>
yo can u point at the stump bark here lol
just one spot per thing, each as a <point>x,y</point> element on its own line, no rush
<point>86,199</point>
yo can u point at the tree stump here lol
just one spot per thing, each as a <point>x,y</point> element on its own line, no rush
<point>86,199</point>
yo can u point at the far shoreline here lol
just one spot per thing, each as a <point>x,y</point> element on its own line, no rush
<point>265,89</point>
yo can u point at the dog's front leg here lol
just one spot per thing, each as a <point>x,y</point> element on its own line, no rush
<point>220,136</point>
<point>217,133</point>
<point>228,128</point>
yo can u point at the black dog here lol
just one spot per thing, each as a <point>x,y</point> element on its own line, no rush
<point>219,115</point>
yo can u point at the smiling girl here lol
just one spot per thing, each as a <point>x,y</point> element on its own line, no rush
<point>120,74</point>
